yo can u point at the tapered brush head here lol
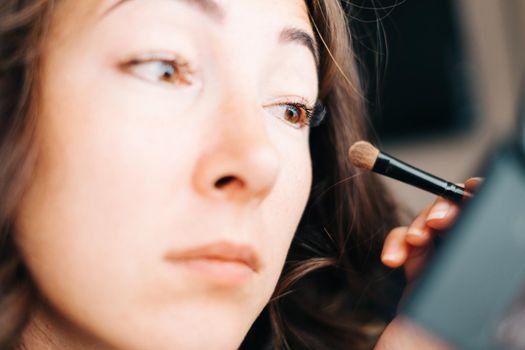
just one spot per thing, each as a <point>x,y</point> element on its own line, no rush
<point>363,155</point>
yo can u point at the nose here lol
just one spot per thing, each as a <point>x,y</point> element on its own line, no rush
<point>239,162</point>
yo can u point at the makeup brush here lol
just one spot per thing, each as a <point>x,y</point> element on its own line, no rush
<point>363,155</point>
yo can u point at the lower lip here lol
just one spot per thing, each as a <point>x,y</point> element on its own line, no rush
<point>225,272</point>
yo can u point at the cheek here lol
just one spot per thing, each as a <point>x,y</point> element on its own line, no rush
<point>283,209</point>
<point>102,169</point>
<point>94,224</point>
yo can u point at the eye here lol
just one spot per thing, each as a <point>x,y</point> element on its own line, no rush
<point>297,114</point>
<point>154,70</point>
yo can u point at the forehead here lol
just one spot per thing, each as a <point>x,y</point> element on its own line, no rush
<point>220,9</point>
<point>290,17</point>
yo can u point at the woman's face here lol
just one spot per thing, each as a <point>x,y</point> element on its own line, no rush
<point>166,126</point>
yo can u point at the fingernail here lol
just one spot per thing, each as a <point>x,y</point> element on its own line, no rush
<point>415,232</point>
<point>391,257</point>
<point>439,211</point>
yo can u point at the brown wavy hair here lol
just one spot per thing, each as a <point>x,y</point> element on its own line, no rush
<point>333,292</point>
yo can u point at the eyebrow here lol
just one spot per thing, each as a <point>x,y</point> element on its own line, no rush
<point>295,35</point>
<point>216,13</point>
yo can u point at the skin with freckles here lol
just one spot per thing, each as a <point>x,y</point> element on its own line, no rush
<point>164,125</point>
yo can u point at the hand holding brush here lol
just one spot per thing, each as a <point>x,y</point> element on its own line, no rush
<point>411,246</point>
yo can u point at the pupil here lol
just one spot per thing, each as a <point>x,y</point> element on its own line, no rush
<point>168,71</point>
<point>291,113</point>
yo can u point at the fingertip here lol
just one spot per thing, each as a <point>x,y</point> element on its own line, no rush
<point>442,220</point>
<point>438,224</point>
<point>393,260</point>
<point>475,179</point>
<point>473,183</point>
<point>395,248</point>
<point>439,211</point>
<point>394,256</point>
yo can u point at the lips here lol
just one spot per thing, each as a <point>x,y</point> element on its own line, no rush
<point>222,252</point>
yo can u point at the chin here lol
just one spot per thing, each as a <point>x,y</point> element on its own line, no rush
<point>198,331</point>
<point>198,340</point>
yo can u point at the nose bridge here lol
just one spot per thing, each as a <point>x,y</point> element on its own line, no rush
<point>241,121</point>
<point>239,161</point>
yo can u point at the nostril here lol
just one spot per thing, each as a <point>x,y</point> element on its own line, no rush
<point>224,181</point>
<point>230,187</point>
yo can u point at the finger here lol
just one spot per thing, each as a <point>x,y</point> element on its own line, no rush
<point>422,237</point>
<point>395,248</point>
<point>473,183</point>
<point>418,233</point>
<point>470,186</point>
<point>416,261</point>
<point>442,214</point>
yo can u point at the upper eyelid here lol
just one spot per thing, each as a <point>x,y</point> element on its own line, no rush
<point>175,58</point>
<point>292,99</point>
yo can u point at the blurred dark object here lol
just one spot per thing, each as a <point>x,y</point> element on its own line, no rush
<point>414,66</point>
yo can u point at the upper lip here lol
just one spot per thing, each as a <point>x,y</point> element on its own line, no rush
<point>221,250</point>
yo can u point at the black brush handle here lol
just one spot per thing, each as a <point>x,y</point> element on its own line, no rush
<point>399,170</point>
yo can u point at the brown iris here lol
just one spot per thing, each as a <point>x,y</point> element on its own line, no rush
<point>172,73</point>
<point>294,114</point>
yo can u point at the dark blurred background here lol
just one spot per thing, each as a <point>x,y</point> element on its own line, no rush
<point>442,78</point>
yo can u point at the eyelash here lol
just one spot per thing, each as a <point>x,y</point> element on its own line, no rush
<point>310,116</point>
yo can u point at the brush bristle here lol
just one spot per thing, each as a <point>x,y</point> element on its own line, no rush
<point>363,155</point>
